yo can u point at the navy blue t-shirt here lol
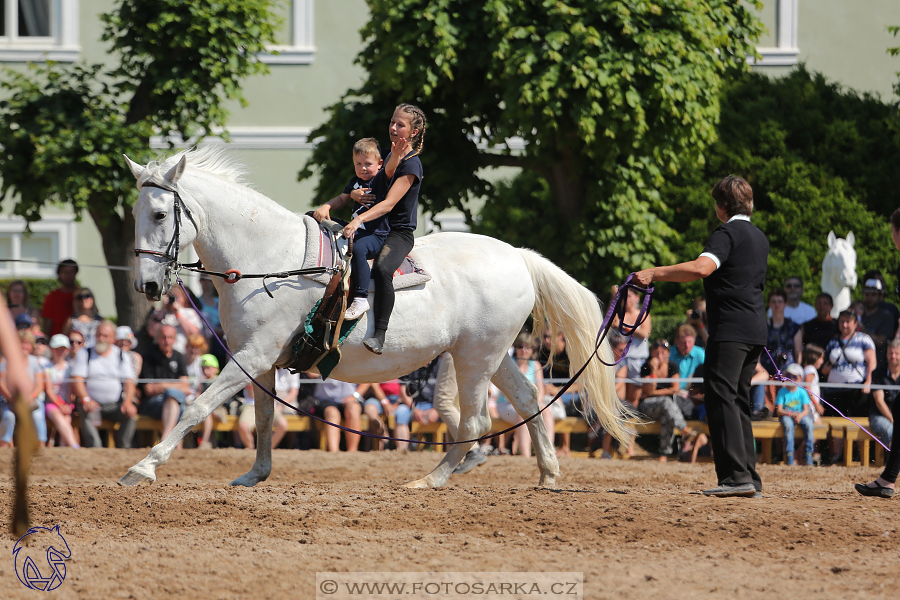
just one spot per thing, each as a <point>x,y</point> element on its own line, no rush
<point>403,217</point>
<point>378,186</point>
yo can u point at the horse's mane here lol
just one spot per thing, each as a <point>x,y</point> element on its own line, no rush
<point>212,159</point>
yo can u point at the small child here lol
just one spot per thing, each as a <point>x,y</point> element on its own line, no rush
<point>813,357</point>
<point>793,407</point>
<point>209,364</point>
<point>367,187</point>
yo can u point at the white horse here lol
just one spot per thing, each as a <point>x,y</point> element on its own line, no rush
<point>481,293</point>
<point>839,271</point>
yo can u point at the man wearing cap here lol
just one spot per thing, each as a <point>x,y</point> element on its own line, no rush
<point>58,305</point>
<point>103,384</point>
<point>876,321</point>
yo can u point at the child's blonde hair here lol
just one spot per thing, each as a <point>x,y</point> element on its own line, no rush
<point>367,147</point>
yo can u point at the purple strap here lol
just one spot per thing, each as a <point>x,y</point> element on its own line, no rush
<point>779,377</point>
<point>617,308</point>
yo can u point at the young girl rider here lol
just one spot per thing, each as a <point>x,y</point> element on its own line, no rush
<point>404,171</point>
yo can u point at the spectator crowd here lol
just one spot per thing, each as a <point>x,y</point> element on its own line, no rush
<point>88,370</point>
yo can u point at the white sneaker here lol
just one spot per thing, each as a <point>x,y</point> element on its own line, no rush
<point>357,309</point>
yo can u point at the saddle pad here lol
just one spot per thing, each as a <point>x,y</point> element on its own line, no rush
<point>319,253</point>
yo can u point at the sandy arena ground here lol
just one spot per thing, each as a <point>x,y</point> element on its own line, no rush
<point>636,529</point>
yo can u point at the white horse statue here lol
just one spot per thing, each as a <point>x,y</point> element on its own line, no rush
<point>482,291</point>
<point>839,271</point>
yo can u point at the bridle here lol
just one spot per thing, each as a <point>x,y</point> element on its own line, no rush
<point>171,252</point>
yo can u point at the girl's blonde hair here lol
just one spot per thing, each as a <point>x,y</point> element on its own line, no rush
<point>417,121</point>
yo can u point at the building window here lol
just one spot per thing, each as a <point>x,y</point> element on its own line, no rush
<point>783,33</point>
<point>296,44</point>
<point>35,254</point>
<point>35,30</point>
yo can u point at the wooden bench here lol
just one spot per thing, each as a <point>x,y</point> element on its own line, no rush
<point>771,429</point>
<point>295,423</point>
<point>851,433</point>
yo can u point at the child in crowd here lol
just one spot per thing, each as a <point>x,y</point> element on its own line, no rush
<point>59,406</point>
<point>793,407</point>
<point>369,238</point>
<point>403,170</point>
<point>813,357</point>
<point>209,365</point>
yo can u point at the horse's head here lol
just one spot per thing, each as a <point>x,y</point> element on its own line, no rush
<point>840,261</point>
<point>163,225</point>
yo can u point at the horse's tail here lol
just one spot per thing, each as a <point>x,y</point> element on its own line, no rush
<point>562,305</point>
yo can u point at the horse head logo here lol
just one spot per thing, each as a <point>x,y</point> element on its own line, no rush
<point>50,547</point>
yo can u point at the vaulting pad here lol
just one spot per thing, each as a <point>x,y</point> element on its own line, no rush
<point>320,253</point>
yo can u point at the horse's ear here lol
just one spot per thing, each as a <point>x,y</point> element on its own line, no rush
<point>136,169</point>
<point>851,239</point>
<point>176,172</point>
<point>831,239</point>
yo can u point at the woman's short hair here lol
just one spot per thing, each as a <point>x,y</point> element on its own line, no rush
<point>847,314</point>
<point>685,330</point>
<point>777,292</point>
<point>199,342</point>
<point>734,195</point>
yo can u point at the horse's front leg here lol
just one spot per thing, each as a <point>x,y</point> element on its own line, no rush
<point>226,385</point>
<point>264,407</point>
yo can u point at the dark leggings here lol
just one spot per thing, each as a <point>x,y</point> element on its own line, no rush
<point>892,468</point>
<point>365,247</point>
<point>397,245</point>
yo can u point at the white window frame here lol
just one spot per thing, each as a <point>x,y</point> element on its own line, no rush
<point>302,50</point>
<point>787,52</point>
<point>14,227</point>
<point>62,44</point>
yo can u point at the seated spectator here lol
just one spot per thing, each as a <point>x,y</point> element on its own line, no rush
<point>127,342</point>
<point>196,347</point>
<point>558,370</point>
<point>849,358</point>
<point>177,312</point>
<point>18,299</point>
<point>165,400</point>
<point>813,357</point>
<point>36,373</point>
<point>247,421</point>
<point>885,305</point>
<point>58,404</point>
<point>823,328</point>
<point>287,387</point>
<point>795,309</point>
<point>785,339</point>
<point>657,400</point>
<point>617,344</point>
<point>42,349</point>
<point>881,420</point>
<point>793,407</point>
<point>877,322</point>
<point>210,366</point>
<point>640,344</point>
<point>524,351</point>
<point>209,306</point>
<point>686,356</point>
<point>386,401</point>
<point>103,386</point>
<point>693,445</point>
<point>85,317</point>
<point>76,343</point>
<point>696,318</point>
<point>417,390</point>
<point>58,304</point>
<point>334,397</point>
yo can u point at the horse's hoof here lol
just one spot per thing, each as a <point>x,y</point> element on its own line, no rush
<point>418,484</point>
<point>548,482</point>
<point>133,477</point>
<point>248,480</point>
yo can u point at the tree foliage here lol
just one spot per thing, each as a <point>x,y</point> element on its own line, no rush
<point>63,130</point>
<point>608,97</point>
<point>819,158</point>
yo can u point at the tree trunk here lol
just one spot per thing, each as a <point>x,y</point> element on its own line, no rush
<point>567,185</point>
<point>117,233</point>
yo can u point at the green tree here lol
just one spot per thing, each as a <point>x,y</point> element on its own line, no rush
<point>819,158</point>
<point>607,95</point>
<point>63,130</point>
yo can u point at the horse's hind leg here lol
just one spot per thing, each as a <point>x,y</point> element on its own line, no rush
<point>524,397</point>
<point>474,422</point>
<point>224,387</point>
<point>264,407</point>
